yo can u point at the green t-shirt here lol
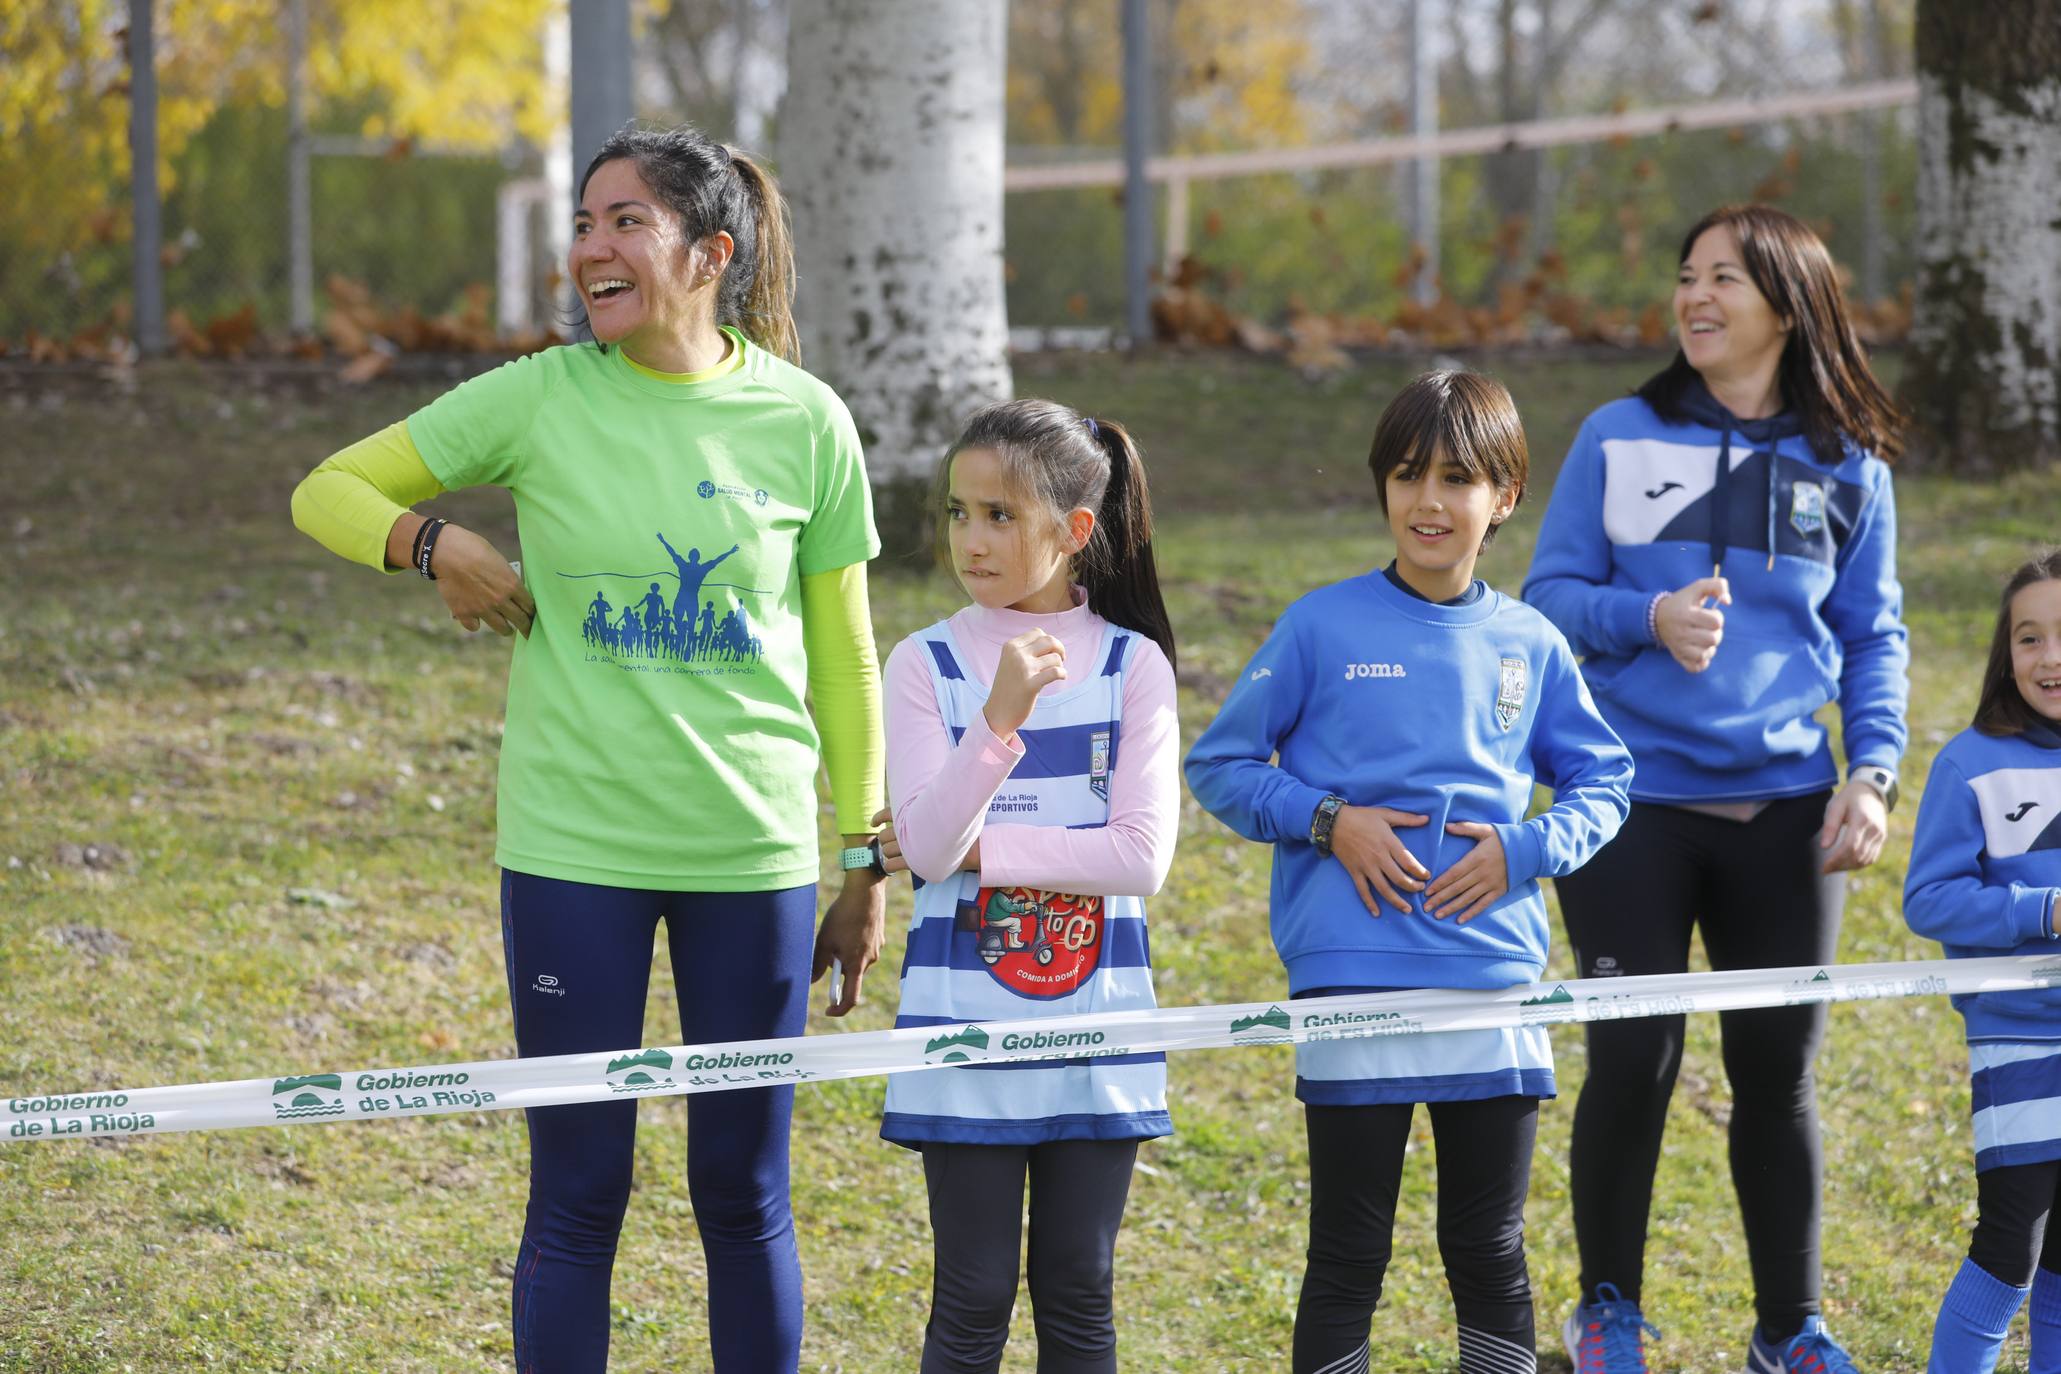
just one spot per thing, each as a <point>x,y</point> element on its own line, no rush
<point>656,733</point>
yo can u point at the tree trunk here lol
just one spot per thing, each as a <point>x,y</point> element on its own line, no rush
<point>1984,379</point>
<point>891,156</point>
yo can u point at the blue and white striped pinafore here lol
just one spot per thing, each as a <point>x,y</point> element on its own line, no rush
<point>979,954</point>
<point>2015,1098</point>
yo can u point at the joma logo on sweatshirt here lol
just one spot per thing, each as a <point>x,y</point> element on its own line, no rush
<point>1353,670</point>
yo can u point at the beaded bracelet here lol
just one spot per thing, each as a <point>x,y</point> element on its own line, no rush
<point>1653,616</point>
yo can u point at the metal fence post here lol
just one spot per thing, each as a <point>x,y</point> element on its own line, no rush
<point>601,96</point>
<point>601,86</point>
<point>147,270</point>
<point>300,247</point>
<point>1424,171</point>
<point>1138,235</point>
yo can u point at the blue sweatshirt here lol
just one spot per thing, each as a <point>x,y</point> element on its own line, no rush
<point>1643,507</point>
<point>1986,868</point>
<point>1451,711</point>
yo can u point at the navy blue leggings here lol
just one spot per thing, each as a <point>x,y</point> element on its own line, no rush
<point>579,964</point>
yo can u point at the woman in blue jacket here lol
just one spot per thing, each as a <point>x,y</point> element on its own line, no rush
<point>1721,548</point>
<point>1985,877</point>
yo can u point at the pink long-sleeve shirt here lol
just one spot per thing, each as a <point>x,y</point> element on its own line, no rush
<point>940,791</point>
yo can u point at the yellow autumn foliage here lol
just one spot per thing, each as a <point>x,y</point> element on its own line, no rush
<point>1230,66</point>
<point>466,73</point>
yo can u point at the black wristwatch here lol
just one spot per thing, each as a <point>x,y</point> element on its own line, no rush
<point>1879,778</point>
<point>1321,821</point>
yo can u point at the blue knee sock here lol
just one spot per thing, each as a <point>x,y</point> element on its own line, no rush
<point>2046,1322</point>
<point>1972,1322</point>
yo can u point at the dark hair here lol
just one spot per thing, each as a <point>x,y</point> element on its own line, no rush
<point>1823,374</point>
<point>2002,709</point>
<point>1466,416</point>
<point>712,187</point>
<point>1058,460</point>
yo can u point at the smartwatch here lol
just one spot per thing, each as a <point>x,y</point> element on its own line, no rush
<point>1879,778</point>
<point>1321,821</point>
<point>866,856</point>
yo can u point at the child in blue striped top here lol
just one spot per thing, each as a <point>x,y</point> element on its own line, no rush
<point>1034,789</point>
<point>1984,880</point>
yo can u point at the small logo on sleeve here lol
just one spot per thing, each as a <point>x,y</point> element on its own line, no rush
<point>1259,673</point>
<point>1663,489</point>
<point>2024,809</point>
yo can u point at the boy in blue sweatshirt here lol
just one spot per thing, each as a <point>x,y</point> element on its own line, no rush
<point>1984,880</point>
<point>1386,739</point>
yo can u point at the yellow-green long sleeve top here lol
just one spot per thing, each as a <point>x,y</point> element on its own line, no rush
<point>657,734</point>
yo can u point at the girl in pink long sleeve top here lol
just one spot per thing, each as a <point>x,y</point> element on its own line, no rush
<point>941,790</point>
<point>1033,778</point>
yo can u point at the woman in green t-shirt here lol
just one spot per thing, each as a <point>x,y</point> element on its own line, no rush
<point>659,761</point>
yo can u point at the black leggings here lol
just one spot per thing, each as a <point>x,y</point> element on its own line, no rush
<point>1077,1193</point>
<point>2011,1230</point>
<point>1356,1170</point>
<point>1754,889</point>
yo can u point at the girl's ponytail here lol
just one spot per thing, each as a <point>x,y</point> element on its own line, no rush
<point>1117,566</point>
<point>764,310</point>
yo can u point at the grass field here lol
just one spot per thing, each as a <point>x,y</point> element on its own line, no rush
<point>246,820</point>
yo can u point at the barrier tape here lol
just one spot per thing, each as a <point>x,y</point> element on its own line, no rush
<point>506,1084</point>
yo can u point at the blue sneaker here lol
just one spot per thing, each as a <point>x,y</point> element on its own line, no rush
<point>1607,1336</point>
<point>1810,1351</point>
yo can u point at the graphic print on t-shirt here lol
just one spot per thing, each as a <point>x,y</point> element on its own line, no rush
<point>654,630</point>
<point>1035,943</point>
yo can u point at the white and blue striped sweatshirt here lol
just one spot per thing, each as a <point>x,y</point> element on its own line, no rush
<point>1450,710</point>
<point>1642,507</point>
<point>1986,868</point>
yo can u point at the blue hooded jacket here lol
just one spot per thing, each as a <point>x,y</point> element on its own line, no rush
<point>1644,506</point>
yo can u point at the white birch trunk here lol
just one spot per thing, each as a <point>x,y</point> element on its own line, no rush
<point>891,156</point>
<point>1985,375</point>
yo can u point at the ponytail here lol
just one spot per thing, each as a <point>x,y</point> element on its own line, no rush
<point>1117,566</point>
<point>764,307</point>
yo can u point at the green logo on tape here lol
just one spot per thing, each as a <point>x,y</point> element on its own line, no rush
<point>314,1094</point>
<point>1269,1026</point>
<point>641,1072</point>
<point>952,1048</point>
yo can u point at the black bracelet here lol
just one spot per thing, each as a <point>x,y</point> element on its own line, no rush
<point>426,545</point>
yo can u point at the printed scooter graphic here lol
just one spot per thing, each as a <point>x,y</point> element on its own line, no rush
<point>1002,929</point>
